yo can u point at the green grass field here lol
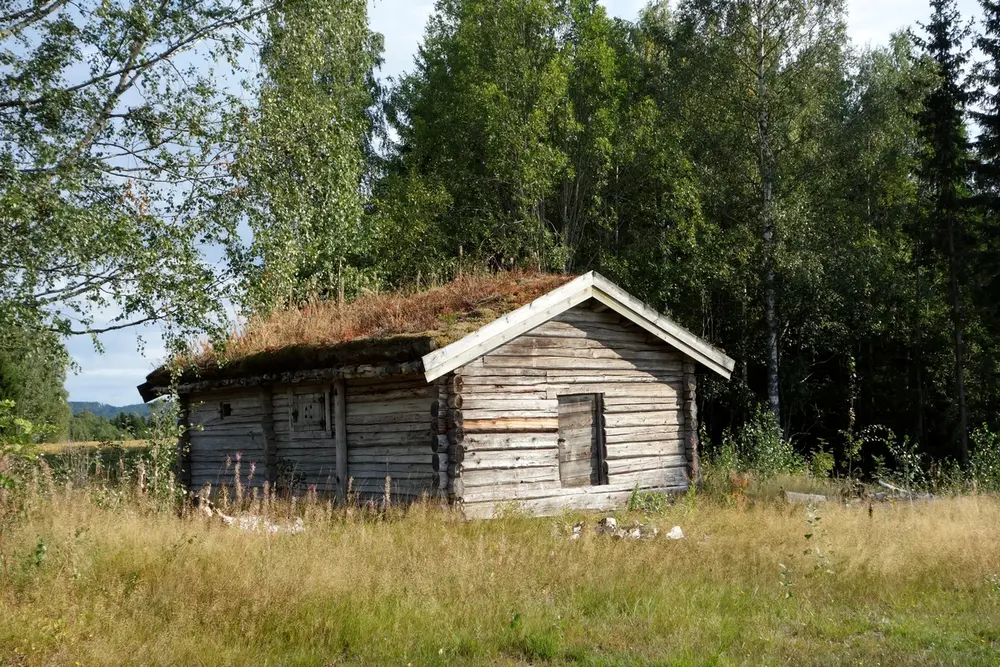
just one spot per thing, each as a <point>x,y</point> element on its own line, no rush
<point>99,577</point>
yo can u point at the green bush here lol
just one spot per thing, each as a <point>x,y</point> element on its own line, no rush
<point>906,466</point>
<point>759,447</point>
<point>17,444</point>
<point>647,501</point>
<point>984,461</point>
<point>821,464</point>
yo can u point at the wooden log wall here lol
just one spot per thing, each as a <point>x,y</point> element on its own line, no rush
<point>389,429</point>
<point>214,437</point>
<point>507,413</point>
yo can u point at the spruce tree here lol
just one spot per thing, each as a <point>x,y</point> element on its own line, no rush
<point>987,94</point>
<point>944,173</point>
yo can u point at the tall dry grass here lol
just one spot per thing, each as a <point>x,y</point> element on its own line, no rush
<point>470,300</point>
<point>85,580</point>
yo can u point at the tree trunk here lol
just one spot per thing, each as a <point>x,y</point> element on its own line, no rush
<point>957,324</point>
<point>919,360</point>
<point>767,220</point>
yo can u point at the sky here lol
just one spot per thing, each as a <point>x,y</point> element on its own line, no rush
<point>111,377</point>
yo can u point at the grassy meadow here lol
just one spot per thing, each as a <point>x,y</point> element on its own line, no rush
<point>99,576</point>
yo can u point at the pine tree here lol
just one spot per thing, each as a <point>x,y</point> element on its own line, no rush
<point>987,94</point>
<point>945,171</point>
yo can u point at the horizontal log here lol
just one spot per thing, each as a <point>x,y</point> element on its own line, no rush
<point>415,406</point>
<point>356,453</point>
<point>390,395</point>
<point>641,433</point>
<point>475,415</point>
<point>362,385</point>
<point>664,418</point>
<point>552,500</point>
<point>398,491</point>
<point>478,460</point>
<point>227,440</point>
<point>506,441</point>
<point>621,466</point>
<point>399,471</point>
<point>511,425</point>
<point>643,404</point>
<point>609,335</point>
<point>568,326</point>
<point>355,440</point>
<point>554,362</point>
<point>220,457</point>
<point>501,402</point>
<point>295,443</point>
<point>600,376</point>
<point>520,350</point>
<point>509,491</point>
<point>652,478</point>
<point>490,477</point>
<point>550,342</point>
<point>583,313</point>
<point>307,455</point>
<point>202,450</point>
<point>390,427</point>
<point>616,392</point>
<point>478,368</point>
<point>476,383</point>
<point>631,450</point>
<point>418,458</point>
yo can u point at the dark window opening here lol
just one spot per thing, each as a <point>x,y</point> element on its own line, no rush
<point>226,410</point>
<point>581,440</point>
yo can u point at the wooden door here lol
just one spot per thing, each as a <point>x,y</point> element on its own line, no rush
<point>581,447</point>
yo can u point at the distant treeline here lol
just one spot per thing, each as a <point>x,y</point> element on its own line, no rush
<point>86,426</point>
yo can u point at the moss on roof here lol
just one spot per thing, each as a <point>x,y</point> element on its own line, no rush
<point>375,328</point>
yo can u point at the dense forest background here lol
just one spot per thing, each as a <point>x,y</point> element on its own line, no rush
<point>825,213</point>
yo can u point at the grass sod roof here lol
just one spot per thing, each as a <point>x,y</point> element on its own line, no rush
<point>376,328</point>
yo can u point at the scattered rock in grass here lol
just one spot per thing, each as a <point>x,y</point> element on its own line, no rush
<point>251,523</point>
<point>676,533</point>
<point>609,526</point>
<point>258,524</point>
<point>805,498</point>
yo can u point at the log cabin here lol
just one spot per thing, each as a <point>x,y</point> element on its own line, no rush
<point>521,390</point>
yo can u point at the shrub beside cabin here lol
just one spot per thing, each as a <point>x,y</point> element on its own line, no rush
<point>541,391</point>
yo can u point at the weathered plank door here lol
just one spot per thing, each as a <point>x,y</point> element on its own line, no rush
<point>581,447</point>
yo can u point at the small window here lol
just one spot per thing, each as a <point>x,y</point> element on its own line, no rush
<point>310,412</point>
<point>581,440</point>
<point>225,410</point>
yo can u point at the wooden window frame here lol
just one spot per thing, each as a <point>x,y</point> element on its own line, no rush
<point>326,432</point>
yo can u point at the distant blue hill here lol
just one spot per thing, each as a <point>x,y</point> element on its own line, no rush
<point>109,411</point>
